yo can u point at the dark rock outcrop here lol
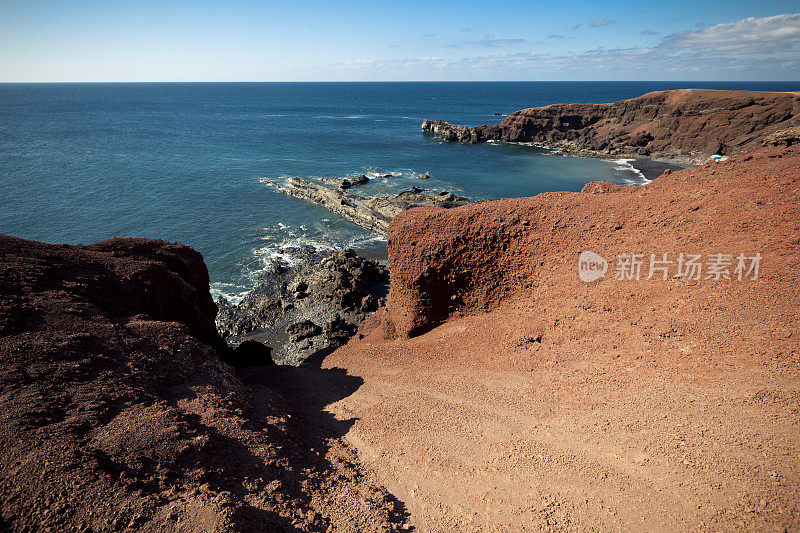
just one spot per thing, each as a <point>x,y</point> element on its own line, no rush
<point>372,213</point>
<point>685,124</point>
<point>251,353</point>
<point>312,306</point>
<point>786,137</point>
<point>118,278</point>
<point>303,330</point>
<point>360,180</point>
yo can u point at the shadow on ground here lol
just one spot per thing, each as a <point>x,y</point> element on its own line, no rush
<point>308,390</point>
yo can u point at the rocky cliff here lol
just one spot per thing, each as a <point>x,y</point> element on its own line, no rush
<point>118,412</point>
<point>687,124</point>
<point>467,260</point>
<point>459,261</point>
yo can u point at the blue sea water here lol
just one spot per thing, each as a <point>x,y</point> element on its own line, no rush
<point>181,162</point>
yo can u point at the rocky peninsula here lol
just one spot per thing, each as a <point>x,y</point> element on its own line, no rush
<point>372,213</point>
<point>685,125</point>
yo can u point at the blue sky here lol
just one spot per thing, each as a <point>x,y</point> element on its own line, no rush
<point>237,40</point>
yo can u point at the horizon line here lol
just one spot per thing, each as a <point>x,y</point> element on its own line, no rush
<point>400,81</point>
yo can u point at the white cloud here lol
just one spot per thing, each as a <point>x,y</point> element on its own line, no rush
<point>777,35</point>
<point>601,22</point>
<point>769,45</point>
<point>502,42</point>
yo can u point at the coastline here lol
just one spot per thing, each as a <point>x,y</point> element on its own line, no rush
<point>684,125</point>
<point>377,250</point>
<point>649,167</point>
<point>653,168</point>
<point>487,384</point>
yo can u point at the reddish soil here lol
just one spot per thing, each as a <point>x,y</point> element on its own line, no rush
<point>516,397</point>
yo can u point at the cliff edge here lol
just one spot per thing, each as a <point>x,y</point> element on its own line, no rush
<point>459,261</point>
<point>654,396</point>
<point>117,411</point>
<point>684,124</point>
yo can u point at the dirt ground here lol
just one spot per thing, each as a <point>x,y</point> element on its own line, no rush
<point>661,405</point>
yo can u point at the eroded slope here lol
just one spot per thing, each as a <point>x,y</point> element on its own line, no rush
<point>533,400</point>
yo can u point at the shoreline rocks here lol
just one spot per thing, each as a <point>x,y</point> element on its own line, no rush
<point>687,125</point>
<point>371,213</point>
<point>308,308</point>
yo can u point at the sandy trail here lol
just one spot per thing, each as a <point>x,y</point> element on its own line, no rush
<point>568,441</point>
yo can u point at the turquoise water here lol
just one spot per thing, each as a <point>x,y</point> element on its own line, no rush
<point>181,162</point>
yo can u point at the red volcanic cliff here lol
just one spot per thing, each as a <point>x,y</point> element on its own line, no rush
<point>685,123</point>
<point>458,261</point>
<point>117,412</point>
<point>467,261</point>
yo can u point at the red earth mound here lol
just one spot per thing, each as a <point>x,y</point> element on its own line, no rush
<point>117,412</point>
<point>514,396</point>
<point>458,261</point>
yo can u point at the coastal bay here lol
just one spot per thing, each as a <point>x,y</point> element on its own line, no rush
<point>490,363</point>
<point>83,162</point>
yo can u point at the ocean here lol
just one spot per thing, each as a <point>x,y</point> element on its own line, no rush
<point>181,162</point>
